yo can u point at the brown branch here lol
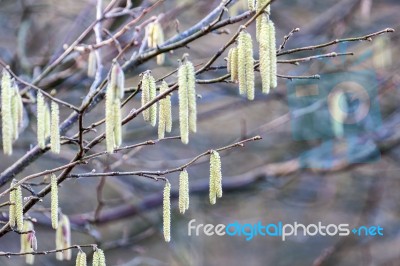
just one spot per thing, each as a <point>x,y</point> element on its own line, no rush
<point>9,254</point>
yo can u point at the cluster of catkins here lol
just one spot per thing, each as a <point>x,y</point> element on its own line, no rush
<point>12,114</point>
<point>215,192</point>
<point>59,222</point>
<point>240,61</point>
<point>12,111</point>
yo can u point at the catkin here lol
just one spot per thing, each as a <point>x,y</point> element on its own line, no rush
<point>164,113</point>
<point>187,100</point>
<point>63,238</point>
<point>19,214</point>
<point>7,119</point>
<point>183,191</point>
<point>78,259</point>
<point>92,64</point>
<point>99,258</point>
<point>55,131</point>
<point>265,57</point>
<point>54,201</point>
<point>192,97</point>
<point>183,105</point>
<point>149,91</point>
<point>118,123</point>
<point>215,177</point>
<point>110,118</point>
<point>246,65</point>
<point>11,215</point>
<point>81,259</point>
<point>16,110</point>
<point>28,242</point>
<point>155,37</point>
<point>167,212</point>
<point>272,40</point>
<point>47,121</point>
<point>233,63</point>
<point>41,123</point>
<point>114,95</point>
<point>260,4</point>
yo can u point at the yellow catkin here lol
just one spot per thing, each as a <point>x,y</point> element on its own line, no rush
<point>233,63</point>
<point>110,123</point>
<point>99,258</point>
<point>145,95</point>
<point>117,124</point>
<point>28,242</point>
<point>260,4</point>
<point>54,201</point>
<point>117,81</point>
<point>187,100</point>
<point>272,40</point>
<point>47,121</point>
<point>11,215</point>
<point>92,64</point>
<point>167,212</point>
<point>183,104</point>
<point>55,131</point>
<point>155,37</point>
<point>183,191</point>
<point>78,259</point>
<point>41,126</point>
<point>246,65</point>
<point>215,177</point>
<point>192,97</point>
<point>149,91</point>
<point>164,113</point>
<point>82,259</point>
<point>95,259</point>
<point>15,112</point>
<point>63,238</point>
<point>19,205</point>
<point>7,120</point>
<point>265,57</point>
<point>153,108</point>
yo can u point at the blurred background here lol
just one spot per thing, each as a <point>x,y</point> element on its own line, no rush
<point>283,177</point>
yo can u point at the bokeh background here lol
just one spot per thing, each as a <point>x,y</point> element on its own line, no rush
<point>265,181</point>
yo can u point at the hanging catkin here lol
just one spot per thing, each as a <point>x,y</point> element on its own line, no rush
<point>98,258</point>
<point>54,201</point>
<point>16,109</point>
<point>260,4</point>
<point>167,212</point>
<point>246,65</point>
<point>7,120</point>
<point>232,63</point>
<point>63,238</point>
<point>28,242</point>
<point>265,57</point>
<point>47,121</point>
<point>55,131</point>
<point>164,113</point>
<point>215,177</point>
<point>251,5</point>
<point>183,191</point>
<point>149,91</point>
<point>41,120</point>
<point>114,95</point>
<point>155,37</point>
<point>187,100</point>
<point>272,40</point>
<point>81,259</point>
<point>11,215</point>
<point>19,205</point>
